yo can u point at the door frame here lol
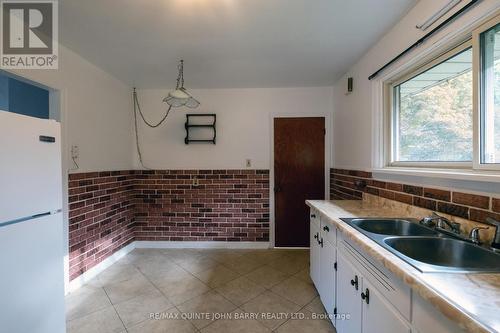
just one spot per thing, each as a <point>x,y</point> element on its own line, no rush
<point>328,153</point>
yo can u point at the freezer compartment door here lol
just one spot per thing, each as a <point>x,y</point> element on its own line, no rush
<point>30,166</point>
<point>32,276</point>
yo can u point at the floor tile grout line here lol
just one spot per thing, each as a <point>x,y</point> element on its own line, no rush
<point>164,295</point>
<point>116,311</point>
<point>211,289</point>
<point>223,263</point>
<point>156,287</point>
<point>93,311</point>
<point>214,289</point>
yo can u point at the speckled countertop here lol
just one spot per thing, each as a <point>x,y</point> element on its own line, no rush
<point>470,300</point>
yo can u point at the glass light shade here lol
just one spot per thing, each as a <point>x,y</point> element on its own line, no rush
<point>192,103</point>
<point>179,94</point>
<point>180,97</point>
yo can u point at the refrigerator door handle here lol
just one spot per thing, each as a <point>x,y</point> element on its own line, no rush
<point>27,218</point>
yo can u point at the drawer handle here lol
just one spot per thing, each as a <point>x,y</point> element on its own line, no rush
<point>355,282</point>
<point>325,228</point>
<point>313,216</point>
<point>366,296</point>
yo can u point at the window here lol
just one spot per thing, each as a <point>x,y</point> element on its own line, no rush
<point>490,95</point>
<point>433,112</point>
<point>446,112</point>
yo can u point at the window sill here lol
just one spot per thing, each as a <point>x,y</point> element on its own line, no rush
<point>456,174</point>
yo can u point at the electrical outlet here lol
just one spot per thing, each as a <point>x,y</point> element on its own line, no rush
<point>196,182</point>
<point>249,163</point>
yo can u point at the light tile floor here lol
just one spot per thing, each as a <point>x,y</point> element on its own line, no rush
<point>250,290</point>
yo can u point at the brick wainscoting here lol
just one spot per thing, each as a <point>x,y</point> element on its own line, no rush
<point>109,210</point>
<point>350,185</point>
<point>226,205</point>
<point>101,217</point>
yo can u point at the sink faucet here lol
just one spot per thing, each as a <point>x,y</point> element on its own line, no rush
<point>441,222</point>
<point>474,235</point>
<point>496,240</point>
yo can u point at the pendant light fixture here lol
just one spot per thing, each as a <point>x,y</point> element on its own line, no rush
<point>180,97</point>
<point>176,98</point>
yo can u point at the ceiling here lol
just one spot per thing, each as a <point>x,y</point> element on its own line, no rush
<point>226,43</point>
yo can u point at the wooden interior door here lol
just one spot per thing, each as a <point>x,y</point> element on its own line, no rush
<point>299,174</point>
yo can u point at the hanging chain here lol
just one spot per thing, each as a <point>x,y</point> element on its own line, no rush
<point>180,76</point>
<point>137,107</point>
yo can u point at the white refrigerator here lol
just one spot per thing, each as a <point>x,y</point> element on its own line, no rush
<point>31,226</point>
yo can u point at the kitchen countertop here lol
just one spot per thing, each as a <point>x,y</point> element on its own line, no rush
<point>470,300</point>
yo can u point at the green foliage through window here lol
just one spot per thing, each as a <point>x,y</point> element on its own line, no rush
<point>434,113</point>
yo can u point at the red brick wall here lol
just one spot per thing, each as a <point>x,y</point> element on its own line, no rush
<point>108,210</point>
<point>228,205</point>
<point>101,217</point>
<point>350,184</point>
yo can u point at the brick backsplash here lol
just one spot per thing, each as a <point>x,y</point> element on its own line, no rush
<point>351,184</point>
<point>108,210</point>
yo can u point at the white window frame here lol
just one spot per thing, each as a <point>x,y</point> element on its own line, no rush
<point>382,99</point>
<point>392,116</point>
<point>476,73</point>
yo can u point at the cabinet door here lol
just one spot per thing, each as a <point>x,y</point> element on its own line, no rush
<point>327,277</point>
<point>348,297</point>
<point>314,255</point>
<point>378,314</point>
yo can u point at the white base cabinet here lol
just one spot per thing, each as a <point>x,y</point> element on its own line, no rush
<point>359,294</point>
<point>348,297</point>
<point>323,262</point>
<point>328,264</point>
<point>378,315</point>
<point>314,247</point>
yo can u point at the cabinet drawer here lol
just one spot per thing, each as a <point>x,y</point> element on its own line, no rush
<point>328,232</point>
<point>314,216</point>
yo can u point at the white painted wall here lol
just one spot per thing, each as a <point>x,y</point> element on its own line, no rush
<point>95,112</point>
<point>353,113</point>
<point>243,126</point>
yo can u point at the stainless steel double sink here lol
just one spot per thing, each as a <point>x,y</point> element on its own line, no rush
<point>427,249</point>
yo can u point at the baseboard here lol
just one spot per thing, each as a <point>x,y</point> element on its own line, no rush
<point>200,245</point>
<point>94,271</point>
<point>291,248</point>
<point>91,273</point>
